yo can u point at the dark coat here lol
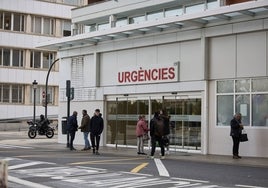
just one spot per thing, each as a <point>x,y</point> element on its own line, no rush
<point>96,125</point>
<point>166,124</point>
<point>236,130</point>
<point>72,124</point>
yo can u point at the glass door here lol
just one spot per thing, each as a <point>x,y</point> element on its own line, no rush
<point>122,118</point>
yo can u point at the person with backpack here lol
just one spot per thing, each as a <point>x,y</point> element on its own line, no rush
<point>157,133</point>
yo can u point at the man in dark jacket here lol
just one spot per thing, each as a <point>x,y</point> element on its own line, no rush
<point>236,130</point>
<point>155,136</point>
<point>72,128</point>
<point>85,123</point>
<point>95,129</point>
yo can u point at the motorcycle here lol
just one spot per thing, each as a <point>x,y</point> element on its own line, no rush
<point>35,129</point>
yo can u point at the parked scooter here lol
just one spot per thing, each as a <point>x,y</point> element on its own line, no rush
<point>36,128</point>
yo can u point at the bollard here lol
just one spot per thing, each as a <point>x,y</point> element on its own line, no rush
<point>3,173</point>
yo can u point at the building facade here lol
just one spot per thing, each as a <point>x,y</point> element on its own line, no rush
<point>201,60</point>
<point>23,24</point>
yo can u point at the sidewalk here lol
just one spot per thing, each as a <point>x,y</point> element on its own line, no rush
<point>124,151</point>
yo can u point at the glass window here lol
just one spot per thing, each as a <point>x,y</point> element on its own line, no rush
<point>18,22</point>
<point>155,15</point>
<point>48,26</point>
<point>137,19</point>
<point>211,4</point>
<point>1,20</point>
<point>260,110</point>
<point>17,58</point>
<point>103,26</point>
<point>225,109</point>
<point>35,59</point>
<point>242,85</point>
<point>47,59</point>
<point>173,12</point>
<point>36,24</point>
<point>6,57</point>
<point>6,93</point>
<point>242,105</point>
<point>17,92</point>
<point>66,28</point>
<point>225,86</point>
<point>260,85</point>
<point>194,8</point>
<point>7,21</point>
<point>90,28</point>
<point>121,22</point>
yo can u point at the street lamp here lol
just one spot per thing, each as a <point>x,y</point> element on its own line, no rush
<point>34,88</point>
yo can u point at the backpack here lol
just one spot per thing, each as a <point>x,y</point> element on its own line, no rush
<point>159,127</point>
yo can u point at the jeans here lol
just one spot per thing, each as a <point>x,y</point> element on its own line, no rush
<point>236,142</point>
<point>140,144</point>
<point>72,135</point>
<point>87,144</point>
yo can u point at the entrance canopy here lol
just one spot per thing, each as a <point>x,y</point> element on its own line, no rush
<point>219,16</point>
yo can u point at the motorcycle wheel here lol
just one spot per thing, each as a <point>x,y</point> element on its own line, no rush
<point>31,134</point>
<point>50,133</point>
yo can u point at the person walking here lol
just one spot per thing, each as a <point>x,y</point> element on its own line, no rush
<point>85,123</point>
<point>166,119</point>
<point>72,128</point>
<point>141,130</point>
<point>95,129</point>
<point>157,133</point>
<point>236,131</point>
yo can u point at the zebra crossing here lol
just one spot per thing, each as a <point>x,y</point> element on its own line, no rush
<point>38,174</point>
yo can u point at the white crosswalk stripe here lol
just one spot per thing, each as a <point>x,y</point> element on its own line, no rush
<point>14,146</point>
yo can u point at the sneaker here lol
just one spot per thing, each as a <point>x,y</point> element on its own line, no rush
<point>151,157</point>
<point>97,153</point>
<point>162,157</point>
<point>84,149</point>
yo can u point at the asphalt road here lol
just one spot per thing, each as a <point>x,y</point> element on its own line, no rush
<point>43,163</point>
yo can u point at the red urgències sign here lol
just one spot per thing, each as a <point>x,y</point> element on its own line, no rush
<point>149,75</point>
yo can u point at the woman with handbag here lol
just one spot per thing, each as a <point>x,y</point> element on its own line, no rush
<point>141,131</point>
<point>236,130</point>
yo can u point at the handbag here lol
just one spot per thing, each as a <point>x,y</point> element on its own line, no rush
<point>244,137</point>
<point>145,136</point>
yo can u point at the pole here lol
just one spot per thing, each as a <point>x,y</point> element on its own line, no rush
<point>34,105</point>
<point>46,101</point>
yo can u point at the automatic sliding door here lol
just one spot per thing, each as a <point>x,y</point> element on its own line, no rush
<point>123,115</point>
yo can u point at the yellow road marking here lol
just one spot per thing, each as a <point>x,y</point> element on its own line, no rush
<point>138,168</point>
<point>104,161</point>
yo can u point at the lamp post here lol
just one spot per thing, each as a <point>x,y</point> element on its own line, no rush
<point>34,88</point>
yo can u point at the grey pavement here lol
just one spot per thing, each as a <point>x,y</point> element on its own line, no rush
<point>20,138</point>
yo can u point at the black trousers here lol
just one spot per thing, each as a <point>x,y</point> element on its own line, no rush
<point>72,135</point>
<point>155,139</point>
<point>95,141</point>
<point>236,142</point>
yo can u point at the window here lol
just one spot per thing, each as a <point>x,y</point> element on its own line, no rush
<point>17,94</point>
<point>173,12</point>
<point>121,22</point>
<point>211,4</point>
<point>194,8</point>
<point>48,58</point>
<point>18,23</point>
<point>66,28</point>
<point>39,94</point>
<point>103,26</point>
<point>48,26</point>
<point>36,24</point>
<point>155,15</point>
<point>17,58</point>
<point>6,57</point>
<point>137,19</point>
<point>247,96</point>
<point>11,93</point>
<point>7,21</point>
<point>35,59</point>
